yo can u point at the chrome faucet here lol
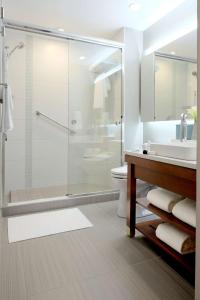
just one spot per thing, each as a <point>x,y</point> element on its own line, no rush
<point>183,127</point>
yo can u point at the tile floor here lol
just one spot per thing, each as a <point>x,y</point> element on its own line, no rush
<point>98,263</point>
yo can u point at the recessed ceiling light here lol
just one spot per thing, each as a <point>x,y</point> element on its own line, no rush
<point>82,57</point>
<point>173,52</point>
<point>61,29</point>
<point>135,6</point>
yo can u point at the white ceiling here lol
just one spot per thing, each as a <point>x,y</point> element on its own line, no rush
<point>98,18</point>
<point>186,46</point>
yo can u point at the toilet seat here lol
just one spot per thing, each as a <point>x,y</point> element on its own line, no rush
<point>120,173</point>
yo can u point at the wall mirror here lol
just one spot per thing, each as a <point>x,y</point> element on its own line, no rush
<point>169,80</point>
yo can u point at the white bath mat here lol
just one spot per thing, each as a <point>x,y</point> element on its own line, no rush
<point>46,223</point>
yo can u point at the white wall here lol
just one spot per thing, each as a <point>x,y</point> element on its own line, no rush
<point>133,128</point>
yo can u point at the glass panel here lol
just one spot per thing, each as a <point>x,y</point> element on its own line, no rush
<point>95,109</point>
<point>36,150</point>
<point>175,87</point>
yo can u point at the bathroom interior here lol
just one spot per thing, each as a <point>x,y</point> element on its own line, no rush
<point>98,150</point>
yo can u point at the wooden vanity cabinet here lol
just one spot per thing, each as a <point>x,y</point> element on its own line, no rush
<point>178,179</point>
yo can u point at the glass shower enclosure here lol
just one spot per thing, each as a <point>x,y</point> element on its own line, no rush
<point>66,113</point>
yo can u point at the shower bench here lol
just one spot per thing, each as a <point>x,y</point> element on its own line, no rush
<point>173,175</point>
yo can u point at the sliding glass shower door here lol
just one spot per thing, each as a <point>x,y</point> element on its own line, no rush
<point>95,116</point>
<point>67,110</point>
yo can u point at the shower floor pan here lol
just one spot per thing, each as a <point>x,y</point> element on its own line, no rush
<point>55,191</point>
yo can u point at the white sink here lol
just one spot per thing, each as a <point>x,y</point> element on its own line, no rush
<point>176,149</point>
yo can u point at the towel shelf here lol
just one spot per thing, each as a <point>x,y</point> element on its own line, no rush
<point>186,261</point>
<point>167,217</point>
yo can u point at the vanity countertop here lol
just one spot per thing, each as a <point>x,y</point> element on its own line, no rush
<point>168,160</point>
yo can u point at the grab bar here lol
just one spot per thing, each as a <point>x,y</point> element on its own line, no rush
<point>38,113</point>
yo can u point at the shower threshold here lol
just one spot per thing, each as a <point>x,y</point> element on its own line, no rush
<point>46,204</point>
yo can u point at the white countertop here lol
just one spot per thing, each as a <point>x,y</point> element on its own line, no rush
<point>168,160</point>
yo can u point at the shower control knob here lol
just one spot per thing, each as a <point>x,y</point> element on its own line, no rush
<point>117,123</point>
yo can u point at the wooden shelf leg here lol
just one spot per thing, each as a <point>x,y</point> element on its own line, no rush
<point>131,188</point>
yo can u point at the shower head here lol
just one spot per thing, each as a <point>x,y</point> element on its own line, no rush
<point>19,46</point>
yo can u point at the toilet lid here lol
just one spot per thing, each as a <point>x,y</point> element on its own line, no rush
<point>121,171</point>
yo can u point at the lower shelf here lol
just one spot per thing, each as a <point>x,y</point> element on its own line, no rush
<point>167,217</point>
<point>148,230</point>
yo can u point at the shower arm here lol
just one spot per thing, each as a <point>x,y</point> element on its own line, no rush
<point>38,113</point>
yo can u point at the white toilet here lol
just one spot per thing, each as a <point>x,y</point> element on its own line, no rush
<point>119,176</point>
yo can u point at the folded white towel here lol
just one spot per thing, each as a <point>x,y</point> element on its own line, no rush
<point>175,238</point>
<point>163,199</point>
<point>185,210</point>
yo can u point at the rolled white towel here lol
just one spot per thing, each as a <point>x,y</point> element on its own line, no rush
<point>185,210</point>
<point>163,199</point>
<point>175,238</point>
